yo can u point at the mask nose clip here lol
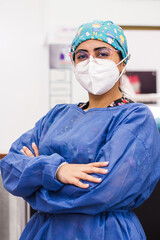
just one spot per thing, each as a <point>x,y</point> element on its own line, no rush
<point>91,58</point>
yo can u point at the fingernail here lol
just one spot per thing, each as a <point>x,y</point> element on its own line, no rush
<point>24,147</point>
<point>105,163</point>
<point>33,143</point>
<point>99,179</point>
<point>105,170</point>
<point>21,150</point>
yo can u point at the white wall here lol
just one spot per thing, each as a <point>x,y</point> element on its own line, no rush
<point>24,25</point>
<point>23,67</point>
<point>123,12</point>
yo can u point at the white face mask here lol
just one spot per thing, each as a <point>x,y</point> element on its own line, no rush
<point>97,76</point>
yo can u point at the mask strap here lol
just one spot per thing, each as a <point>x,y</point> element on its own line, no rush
<point>122,72</point>
<point>128,56</point>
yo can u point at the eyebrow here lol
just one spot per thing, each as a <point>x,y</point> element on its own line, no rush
<point>95,49</point>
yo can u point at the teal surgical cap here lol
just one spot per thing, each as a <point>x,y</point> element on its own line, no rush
<point>105,31</point>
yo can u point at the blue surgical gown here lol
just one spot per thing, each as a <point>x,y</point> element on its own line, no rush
<point>126,136</point>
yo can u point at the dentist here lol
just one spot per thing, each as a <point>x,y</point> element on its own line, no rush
<point>85,166</point>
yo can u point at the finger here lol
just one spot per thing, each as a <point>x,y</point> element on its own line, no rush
<point>99,164</point>
<point>79,184</point>
<point>35,149</point>
<point>95,170</point>
<point>22,151</point>
<point>90,178</point>
<point>27,152</point>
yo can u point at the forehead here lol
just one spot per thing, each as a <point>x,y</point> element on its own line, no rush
<point>91,44</point>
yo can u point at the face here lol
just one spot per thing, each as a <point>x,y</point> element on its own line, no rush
<point>98,49</point>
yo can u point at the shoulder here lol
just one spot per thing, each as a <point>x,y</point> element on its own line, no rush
<point>139,120</point>
<point>57,110</point>
<point>131,114</point>
<point>136,106</point>
<point>135,118</point>
<point>51,116</point>
<point>135,121</point>
<point>141,114</point>
<point>137,110</point>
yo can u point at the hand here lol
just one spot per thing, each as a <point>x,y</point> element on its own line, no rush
<point>73,173</point>
<point>28,153</point>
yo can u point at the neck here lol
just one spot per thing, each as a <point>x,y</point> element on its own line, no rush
<point>104,100</point>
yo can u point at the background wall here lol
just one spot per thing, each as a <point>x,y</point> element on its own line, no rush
<point>123,12</point>
<point>24,73</point>
<point>23,67</point>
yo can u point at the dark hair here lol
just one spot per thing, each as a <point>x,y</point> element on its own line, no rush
<point>120,55</point>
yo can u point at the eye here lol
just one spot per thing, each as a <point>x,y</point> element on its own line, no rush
<point>103,53</point>
<point>80,56</point>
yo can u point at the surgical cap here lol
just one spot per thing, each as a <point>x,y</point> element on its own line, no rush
<point>105,31</point>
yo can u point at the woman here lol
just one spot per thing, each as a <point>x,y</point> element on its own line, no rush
<point>97,160</point>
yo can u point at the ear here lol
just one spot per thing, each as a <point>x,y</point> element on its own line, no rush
<point>125,69</point>
<point>122,66</point>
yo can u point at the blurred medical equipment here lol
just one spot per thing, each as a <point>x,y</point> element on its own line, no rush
<point>129,92</point>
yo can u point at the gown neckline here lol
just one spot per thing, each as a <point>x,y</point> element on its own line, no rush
<point>117,103</point>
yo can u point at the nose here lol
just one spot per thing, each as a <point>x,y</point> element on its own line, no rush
<point>91,58</point>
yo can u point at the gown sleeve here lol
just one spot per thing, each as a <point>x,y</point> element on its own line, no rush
<point>23,175</point>
<point>133,151</point>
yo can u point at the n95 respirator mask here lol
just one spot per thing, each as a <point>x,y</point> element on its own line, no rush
<point>96,75</point>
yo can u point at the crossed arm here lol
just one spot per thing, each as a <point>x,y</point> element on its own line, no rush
<point>132,173</point>
<point>73,173</point>
<point>126,185</point>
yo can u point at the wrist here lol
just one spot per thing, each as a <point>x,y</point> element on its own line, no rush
<point>58,169</point>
